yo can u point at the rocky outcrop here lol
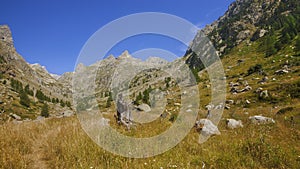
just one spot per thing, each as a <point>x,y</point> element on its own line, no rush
<point>239,23</point>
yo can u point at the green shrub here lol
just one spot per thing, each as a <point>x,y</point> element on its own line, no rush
<point>24,99</point>
<point>45,110</point>
<point>285,110</point>
<point>255,69</point>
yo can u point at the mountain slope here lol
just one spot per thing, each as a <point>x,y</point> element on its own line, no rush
<point>247,20</point>
<point>19,77</point>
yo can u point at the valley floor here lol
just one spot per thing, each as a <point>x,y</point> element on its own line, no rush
<point>61,143</point>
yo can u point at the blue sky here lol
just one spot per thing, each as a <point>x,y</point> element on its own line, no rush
<point>52,32</point>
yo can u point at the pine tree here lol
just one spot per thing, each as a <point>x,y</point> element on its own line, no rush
<point>62,103</point>
<point>45,110</point>
<point>270,45</point>
<point>24,99</point>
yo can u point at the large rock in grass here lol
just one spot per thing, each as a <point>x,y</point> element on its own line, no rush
<point>261,120</point>
<point>232,123</point>
<point>207,127</point>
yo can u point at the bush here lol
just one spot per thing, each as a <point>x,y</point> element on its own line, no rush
<point>253,69</point>
<point>45,110</point>
<point>294,90</point>
<point>109,100</point>
<point>285,110</point>
<point>24,99</point>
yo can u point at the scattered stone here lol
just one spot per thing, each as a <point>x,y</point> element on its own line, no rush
<point>281,72</point>
<point>232,123</point>
<point>262,32</point>
<point>264,80</point>
<point>248,102</point>
<point>209,107</point>
<point>144,107</point>
<point>231,84</point>
<point>227,107</point>
<point>229,102</point>
<point>14,116</point>
<point>264,94</point>
<point>207,128</point>
<point>240,79</point>
<point>1,102</point>
<point>261,120</point>
<point>259,90</point>
<point>177,104</point>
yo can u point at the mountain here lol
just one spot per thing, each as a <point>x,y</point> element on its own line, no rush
<point>249,20</point>
<point>18,76</point>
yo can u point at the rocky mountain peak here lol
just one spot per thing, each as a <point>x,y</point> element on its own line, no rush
<point>37,66</point>
<point>124,55</point>
<point>6,36</point>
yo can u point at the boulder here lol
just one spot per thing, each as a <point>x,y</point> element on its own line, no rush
<point>144,107</point>
<point>232,123</point>
<point>67,113</point>
<point>207,127</point>
<point>261,120</point>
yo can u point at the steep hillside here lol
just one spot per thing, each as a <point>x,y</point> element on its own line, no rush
<point>249,20</point>
<point>25,88</point>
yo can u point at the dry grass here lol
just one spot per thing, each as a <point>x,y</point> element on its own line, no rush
<point>67,146</point>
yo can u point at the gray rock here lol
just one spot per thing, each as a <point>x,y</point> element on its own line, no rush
<point>67,113</point>
<point>261,120</point>
<point>144,107</point>
<point>264,94</point>
<point>232,123</point>
<point>282,71</point>
<point>207,127</point>
<point>248,102</point>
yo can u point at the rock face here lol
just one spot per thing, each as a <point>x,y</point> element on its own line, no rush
<point>5,35</point>
<point>232,123</point>
<point>261,120</point>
